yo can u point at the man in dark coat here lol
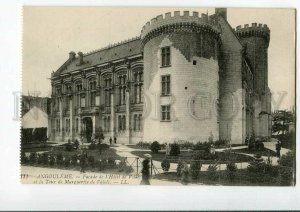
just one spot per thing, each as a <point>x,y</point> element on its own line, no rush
<point>115,139</point>
<point>278,148</point>
<point>110,140</point>
<point>145,172</point>
<point>83,158</point>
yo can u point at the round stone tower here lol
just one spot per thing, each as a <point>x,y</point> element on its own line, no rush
<point>180,77</point>
<point>255,39</point>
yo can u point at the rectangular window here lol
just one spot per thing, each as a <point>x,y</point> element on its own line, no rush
<point>67,126</point>
<point>165,85</point>
<point>82,102</point>
<point>57,125</point>
<point>165,113</point>
<point>93,99</point>
<point>124,123</point>
<point>77,124</point>
<point>105,124</point>
<point>165,56</point>
<point>107,98</point>
<point>140,122</point>
<point>135,123</point>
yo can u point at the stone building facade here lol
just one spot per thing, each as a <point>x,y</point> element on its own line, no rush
<point>186,77</point>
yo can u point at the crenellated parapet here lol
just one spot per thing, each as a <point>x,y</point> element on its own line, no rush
<point>176,22</point>
<point>255,30</point>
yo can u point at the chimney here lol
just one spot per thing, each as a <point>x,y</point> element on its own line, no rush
<point>221,12</point>
<point>72,55</point>
<point>80,56</point>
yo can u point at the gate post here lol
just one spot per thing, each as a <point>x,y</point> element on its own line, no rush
<point>137,166</point>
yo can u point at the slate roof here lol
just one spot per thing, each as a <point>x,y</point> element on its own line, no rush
<point>111,53</point>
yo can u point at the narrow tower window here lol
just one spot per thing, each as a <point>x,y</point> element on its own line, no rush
<point>165,85</point>
<point>165,56</point>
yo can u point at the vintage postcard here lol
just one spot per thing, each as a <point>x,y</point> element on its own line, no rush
<point>158,96</point>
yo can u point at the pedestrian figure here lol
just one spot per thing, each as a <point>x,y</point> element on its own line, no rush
<point>110,140</point>
<point>83,158</point>
<point>247,140</point>
<point>212,149</point>
<point>115,140</point>
<point>168,149</point>
<point>278,148</point>
<point>184,174</point>
<point>145,172</point>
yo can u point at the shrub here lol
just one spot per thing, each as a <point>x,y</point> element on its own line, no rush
<point>221,142</point>
<point>45,158</point>
<point>91,161</point>
<point>92,146</point>
<point>123,166</point>
<point>175,150</point>
<point>74,159</point>
<point>69,147</point>
<point>143,145</point>
<point>256,166</point>
<point>67,162</point>
<point>111,163</point>
<point>103,147</point>
<point>196,164</point>
<point>287,159</point>
<point>32,157</point>
<point>102,165</point>
<point>231,169</point>
<point>286,176</point>
<point>39,158</point>
<point>24,158</point>
<point>51,160</point>
<point>202,146</point>
<point>59,159</point>
<point>212,172</point>
<point>179,168</point>
<point>195,169</point>
<point>286,168</point>
<point>155,147</point>
<point>256,144</point>
<point>165,165</point>
<point>260,146</point>
<point>76,144</point>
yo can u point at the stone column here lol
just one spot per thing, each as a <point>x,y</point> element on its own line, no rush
<point>128,131</point>
<point>112,115</point>
<point>60,116</point>
<point>71,118</point>
<point>128,99</point>
<point>79,126</point>
<point>94,125</point>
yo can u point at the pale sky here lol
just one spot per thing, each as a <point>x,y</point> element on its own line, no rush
<point>50,33</point>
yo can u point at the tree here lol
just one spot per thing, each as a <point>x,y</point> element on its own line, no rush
<point>281,120</point>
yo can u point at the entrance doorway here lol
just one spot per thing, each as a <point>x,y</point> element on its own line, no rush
<point>88,128</point>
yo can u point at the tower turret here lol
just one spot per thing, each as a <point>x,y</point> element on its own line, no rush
<point>181,76</point>
<point>255,39</point>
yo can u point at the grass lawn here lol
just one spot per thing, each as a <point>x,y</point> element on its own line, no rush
<point>133,146</point>
<point>36,146</point>
<point>185,155</point>
<point>242,178</point>
<point>108,153</point>
<point>264,152</point>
